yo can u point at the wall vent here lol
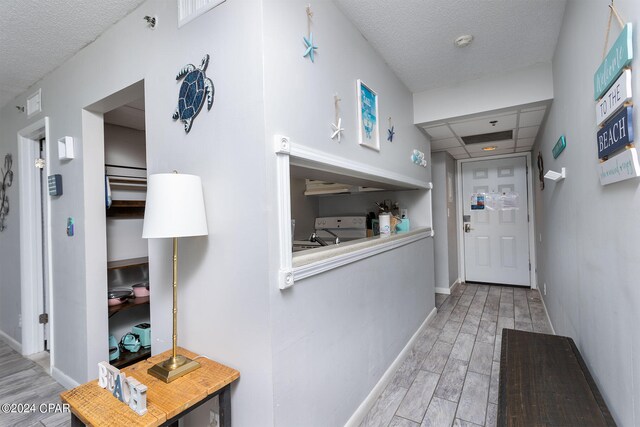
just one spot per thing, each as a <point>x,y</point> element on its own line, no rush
<point>188,10</point>
<point>34,103</point>
<point>488,137</point>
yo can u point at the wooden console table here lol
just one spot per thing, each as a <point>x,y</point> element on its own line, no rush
<point>166,403</point>
<point>545,382</point>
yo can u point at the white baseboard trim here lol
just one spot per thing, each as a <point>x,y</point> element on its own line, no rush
<point>447,291</point>
<point>364,408</point>
<point>11,342</point>
<point>65,380</point>
<point>547,313</point>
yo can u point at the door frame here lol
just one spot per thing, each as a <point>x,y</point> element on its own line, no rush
<point>459,212</point>
<point>30,269</point>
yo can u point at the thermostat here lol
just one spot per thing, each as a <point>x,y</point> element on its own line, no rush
<point>55,185</point>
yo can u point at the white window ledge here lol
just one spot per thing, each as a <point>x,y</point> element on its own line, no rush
<point>315,261</point>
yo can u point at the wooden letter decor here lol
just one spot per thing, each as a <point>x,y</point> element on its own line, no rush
<point>617,133</point>
<point>127,390</point>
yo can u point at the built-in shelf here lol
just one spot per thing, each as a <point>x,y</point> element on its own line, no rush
<point>133,302</point>
<point>127,358</point>
<point>126,209</point>
<point>124,263</point>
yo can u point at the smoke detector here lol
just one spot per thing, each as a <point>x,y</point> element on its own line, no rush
<point>464,41</point>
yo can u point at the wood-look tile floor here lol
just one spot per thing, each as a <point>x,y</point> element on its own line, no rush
<point>23,381</point>
<point>450,376</point>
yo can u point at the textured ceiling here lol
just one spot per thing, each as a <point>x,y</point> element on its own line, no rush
<point>37,36</point>
<point>416,37</point>
<point>523,122</point>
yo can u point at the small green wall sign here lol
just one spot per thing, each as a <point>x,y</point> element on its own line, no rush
<point>559,147</point>
<point>620,55</point>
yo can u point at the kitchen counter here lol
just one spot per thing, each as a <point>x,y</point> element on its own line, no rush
<point>312,261</point>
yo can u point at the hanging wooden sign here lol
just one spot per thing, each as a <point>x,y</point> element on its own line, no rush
<point>615,98</point>
<point>620,55</point>
<point>623,166</point>
<point>559,147</point>
<point>617,133</point>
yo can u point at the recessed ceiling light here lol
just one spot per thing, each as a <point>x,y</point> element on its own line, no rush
<point>464,41</point>
<point>490,148</point>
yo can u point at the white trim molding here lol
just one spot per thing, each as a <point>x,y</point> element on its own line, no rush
<point>30,250</point>
<point>66,381</point>
<point>14,344</point>
<point>289,153</point>
<point>366,405</point>
<point>450,289</point>
<point>337,256</point>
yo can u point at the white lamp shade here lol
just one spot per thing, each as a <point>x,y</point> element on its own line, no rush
<point>174,207</point>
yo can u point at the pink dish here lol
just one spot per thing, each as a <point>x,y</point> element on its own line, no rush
<point>141,290</point>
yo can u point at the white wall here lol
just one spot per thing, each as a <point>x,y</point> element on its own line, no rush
<point>333,335</point>
<point>223,290</point>
<point>444,214</point>
<point>125,147</point>
<point>588,257</point>
<point>507,90</point>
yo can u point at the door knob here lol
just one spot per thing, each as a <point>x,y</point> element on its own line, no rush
<point>467,228</point>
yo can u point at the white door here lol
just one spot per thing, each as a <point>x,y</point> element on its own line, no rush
<point>496,233</point>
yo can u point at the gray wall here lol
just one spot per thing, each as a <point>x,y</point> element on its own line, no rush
<point>444,220</point>
<point>336,333</point>
<point>588,256</point>
<point>292,344</point>
<point>223,288</point>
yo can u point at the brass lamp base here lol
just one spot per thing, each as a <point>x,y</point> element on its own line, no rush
<point>173,368</point>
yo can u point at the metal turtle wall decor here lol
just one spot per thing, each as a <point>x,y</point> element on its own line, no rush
<point>195,89</point>
<point>7,180</point>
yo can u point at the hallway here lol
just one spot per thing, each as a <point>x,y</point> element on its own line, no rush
<point>23,381</point>
<point>451,373</point>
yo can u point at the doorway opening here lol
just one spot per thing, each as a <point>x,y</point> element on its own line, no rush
<point>37,315</point>
<point>495,220</point>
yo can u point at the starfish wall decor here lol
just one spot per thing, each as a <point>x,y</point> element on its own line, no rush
<point>308,41</point>
<point>391,131</point>
<point>337,126</point>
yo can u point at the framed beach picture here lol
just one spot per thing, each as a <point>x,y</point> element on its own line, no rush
<point>368,133</point>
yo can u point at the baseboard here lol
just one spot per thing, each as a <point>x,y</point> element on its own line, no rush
<point>447,291</point>
<point>65,380</point>
<point>11,342</point>
<point>364,408</point>
<point>547,313</point>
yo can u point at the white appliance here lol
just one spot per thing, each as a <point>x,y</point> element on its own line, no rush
<point>345,227</point>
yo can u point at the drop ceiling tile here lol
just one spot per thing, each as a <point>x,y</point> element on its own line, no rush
<point>482,126</point>
<point>531,118</point>
<point>528,132</point>
<point>525,142</point>
<point>492,153</point>
<point>538,108</point>
<point>443,144</point>
<point>500,145</point>
<point>439,132</point>
<point>456,150</point>
<point>487,117</point>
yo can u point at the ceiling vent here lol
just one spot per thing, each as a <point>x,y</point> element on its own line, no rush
<point>488,137</point>
<point>188,10</point>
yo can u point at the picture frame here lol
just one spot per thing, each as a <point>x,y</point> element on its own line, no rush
<point>368,118</point>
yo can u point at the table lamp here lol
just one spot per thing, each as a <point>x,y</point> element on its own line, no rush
<point>174,208</point>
